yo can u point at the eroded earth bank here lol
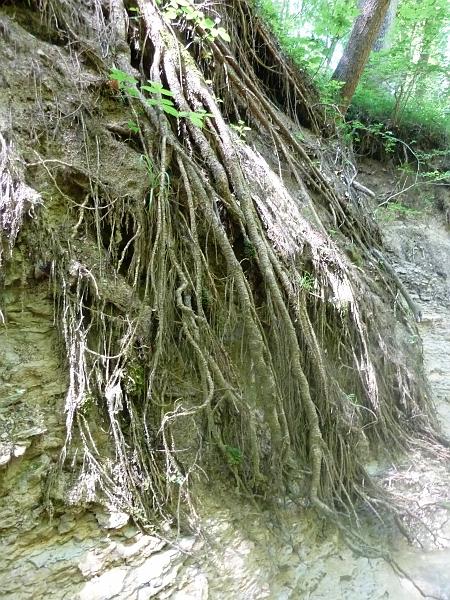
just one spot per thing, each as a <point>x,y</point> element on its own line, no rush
<point>59,547</point>
<point>88,553</point>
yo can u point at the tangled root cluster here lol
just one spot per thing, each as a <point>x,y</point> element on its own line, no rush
<point>210,315</point>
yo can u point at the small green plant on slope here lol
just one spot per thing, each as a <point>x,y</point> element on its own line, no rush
<point>159,97</point>
<point>133,126</point>
<point>352,130</point>
<point>186,9</point>
<point>397,210</point>
<point>240,127</point>
<point>234,456</point>
<point>306,282</point>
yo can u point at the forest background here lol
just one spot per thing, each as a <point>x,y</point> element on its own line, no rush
<point>404,91</point>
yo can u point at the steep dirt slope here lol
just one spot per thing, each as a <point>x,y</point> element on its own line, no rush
<point>88,551</point>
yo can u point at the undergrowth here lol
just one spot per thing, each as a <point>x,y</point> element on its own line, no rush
<point>424,127</point>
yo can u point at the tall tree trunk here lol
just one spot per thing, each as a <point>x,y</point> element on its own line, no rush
<point>363,35</point>
<point>382,42</point>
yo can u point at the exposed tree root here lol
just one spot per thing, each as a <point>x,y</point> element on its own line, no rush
<point>214,320</point>
<point>16,198</point>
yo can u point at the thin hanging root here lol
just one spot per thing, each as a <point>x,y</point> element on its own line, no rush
<point>16,198</point>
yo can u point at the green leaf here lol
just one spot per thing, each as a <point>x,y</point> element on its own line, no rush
<point>196,120</point>
<point>223,34</point>
<point>170,14</point>
<point>131,91</point>
<point>133,126</point>
<point>121,76</point>
<point>207,23</point>
<point>156,88</point>
<point>170,110</point>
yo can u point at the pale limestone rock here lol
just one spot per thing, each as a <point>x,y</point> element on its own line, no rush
<point>113,519</point>
<point>196,590</point>
<point>104,587</point>
<point>5,455</point>
<point>92,563</point>
<point>20,449</point>
<point>144,546</point>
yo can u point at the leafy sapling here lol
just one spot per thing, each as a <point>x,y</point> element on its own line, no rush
<point>159,97</point>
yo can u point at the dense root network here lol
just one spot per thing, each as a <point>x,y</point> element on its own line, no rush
<point>213,319</point>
